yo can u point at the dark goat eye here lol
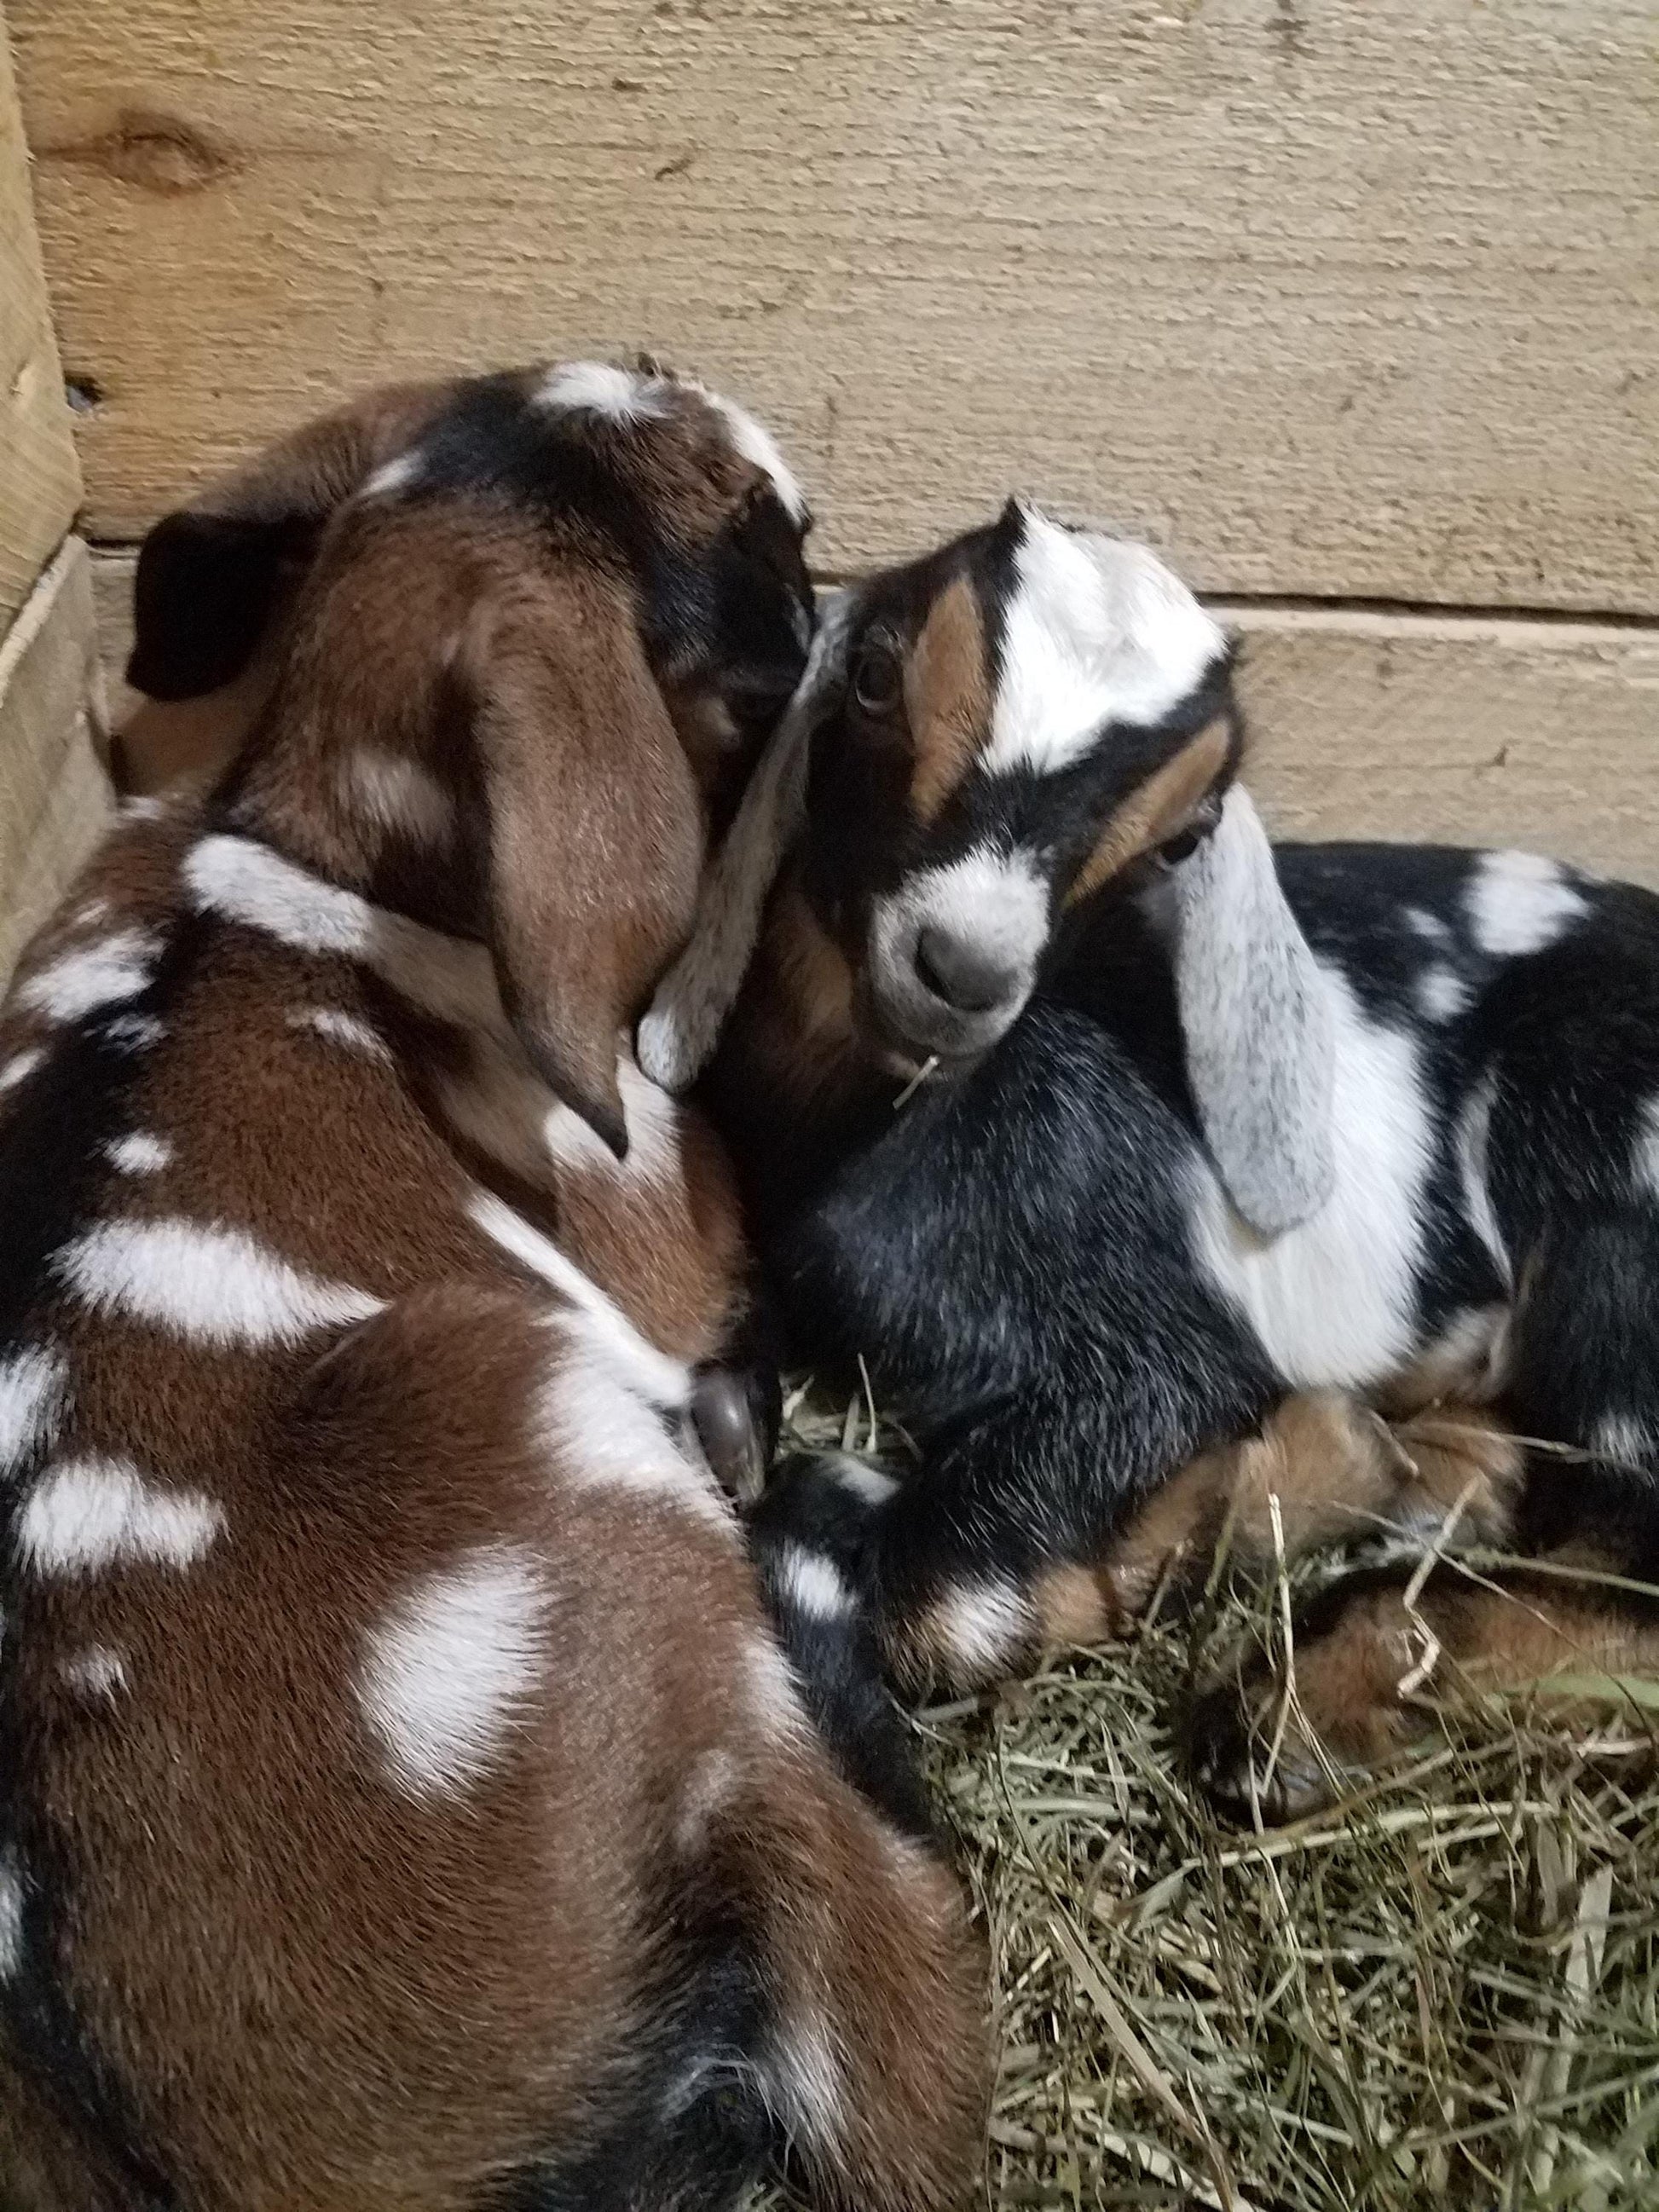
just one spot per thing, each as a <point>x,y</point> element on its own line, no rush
<point>876,681</point>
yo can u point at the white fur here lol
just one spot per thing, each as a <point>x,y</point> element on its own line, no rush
<point>1429,926</point>
<point>610,1433</point>
<point>870,1485</point>
<point>1333,1299</point>
<point>1442,993</point>
<point>999,902</point>
<point>11,1916</point>
<point>812,1585</point>
<point>1519,902</point>
<point>1097,631</point>
<point>1621,1438</point>
<point>449,1673</point>
<point>772,1692</point>
<point>88,1514</point>
<point>981,1624</point>
<point>139,1153</point>
<point>399,795</point>
<point>1469,1359</point>
<point>1469,1144</point>
<point>21,1067</point>
<point>97,1672</point>
<point>1647,1151</point>
<point>598,388</point>
<point>679,1032</point>
<point>393,476</point>
<point>341,1028</point>
<point>810,2078</point>
<point>756,444</point>
<point>32,1392</point>
<point>709,1788</point>
<point>209,1283</point>
<point>93,915</point>
<point>1258,1017</point>
<point>102,974</point>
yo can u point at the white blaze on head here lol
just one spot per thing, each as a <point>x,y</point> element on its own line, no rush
<point>599,387</point>
<point>1096,631</point>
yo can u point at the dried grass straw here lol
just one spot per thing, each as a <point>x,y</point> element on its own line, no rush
<point>1444,1993</point>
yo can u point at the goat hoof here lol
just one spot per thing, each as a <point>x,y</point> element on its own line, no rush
<point>1230,1735</point>
<point>732,1431</point>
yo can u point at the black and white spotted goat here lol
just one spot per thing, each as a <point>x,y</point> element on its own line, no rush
<point>1216,1143</point>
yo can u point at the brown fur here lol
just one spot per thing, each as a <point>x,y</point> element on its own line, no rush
<point>307,1982</point>
<point>1156,810</point>
<point>947,697</point>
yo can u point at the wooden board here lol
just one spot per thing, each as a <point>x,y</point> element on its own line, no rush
<point>39,482</point>
<point>1540,734</point>
<point>54,794</point>
<point>1344,300</point>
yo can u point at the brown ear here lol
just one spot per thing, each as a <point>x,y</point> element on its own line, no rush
<point>595,830</point>
<point>209,574</point>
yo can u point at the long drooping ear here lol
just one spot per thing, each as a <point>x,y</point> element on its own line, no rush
<point>593,841</point>
<point>1259,1025</point>
<point>679,1033</point>
<point>209,573</point>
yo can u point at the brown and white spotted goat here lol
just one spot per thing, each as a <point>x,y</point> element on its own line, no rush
<point>406,1804</point>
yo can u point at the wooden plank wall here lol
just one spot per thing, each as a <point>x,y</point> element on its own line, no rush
<point>54,795</point>
<point>1350,308</point>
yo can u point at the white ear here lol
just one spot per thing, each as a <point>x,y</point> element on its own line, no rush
<point>682,1026</point>
<point>1259,1027</point>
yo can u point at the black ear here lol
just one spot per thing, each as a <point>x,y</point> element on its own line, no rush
<point>205,589</point>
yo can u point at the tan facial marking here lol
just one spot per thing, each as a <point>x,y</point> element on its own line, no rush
<point>1156,810</point>
<point>947,697</point>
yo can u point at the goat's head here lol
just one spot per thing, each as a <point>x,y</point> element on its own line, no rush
<point>528,633</point>
<point>988,739</point>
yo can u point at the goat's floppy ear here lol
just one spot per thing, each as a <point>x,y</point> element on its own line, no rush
<point>209,573</point>
<point>678,1035</point>
<point>593,845</point>
<point>1259,1025</point>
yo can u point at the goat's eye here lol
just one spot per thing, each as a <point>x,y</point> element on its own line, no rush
<point>877,680</point>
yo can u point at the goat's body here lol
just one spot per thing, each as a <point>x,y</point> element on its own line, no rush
<point>405,1801</point>
<point>1039,1266</point>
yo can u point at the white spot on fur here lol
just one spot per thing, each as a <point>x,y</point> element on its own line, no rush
<point>19,1067</point>
<point>756,444</point>
<point>1647,1150</point>
<point>33,1390</point>
<point>1470,1142</point>
<point>397,795</point>
<point>102,975</point>
<point>980,1625</point>
<point>134,1032</point>
<point>772,1692</point>
<point>1333,1299</point>
<point>812,1584</point>
<point>1442,993</point>
<point>341,1028</point>
<point>709,1788</point>
<point>87,1514</point>
<point>98,1672</point>
<point>139,1153</point>
<point>1097,631</point>
<point>870,1485</point>
<point>449,1672</point>
<point>1429,926</point>
<point>1621,1438</point>
<point>11,1916</point>
<point>600,1413</point>
<point>391,477</point>
<point>147,809</point>
<point>809,2078</point>
<point>93,915</point>
<point>1519,902</point>
<point>599,387</point>
<point>211,1284</point>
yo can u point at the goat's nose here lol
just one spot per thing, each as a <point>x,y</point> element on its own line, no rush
<point>971,976</point>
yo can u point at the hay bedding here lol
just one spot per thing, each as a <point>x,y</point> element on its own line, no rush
<point>1444,1993</point>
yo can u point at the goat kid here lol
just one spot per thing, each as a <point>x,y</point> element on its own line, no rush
<point>406,1802</point>
<point>1107,1135</point>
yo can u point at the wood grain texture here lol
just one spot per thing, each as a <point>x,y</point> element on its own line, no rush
<point>1332,299</point>
<point>54,794</point>
<point>39,481</point>
<point>1542,734</point>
